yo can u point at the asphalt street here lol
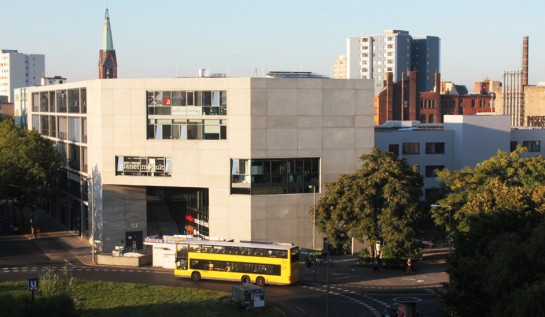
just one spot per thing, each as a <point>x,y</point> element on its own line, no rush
<point>22,258</point>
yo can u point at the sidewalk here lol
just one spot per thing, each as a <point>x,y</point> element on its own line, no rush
<point>429,273</point>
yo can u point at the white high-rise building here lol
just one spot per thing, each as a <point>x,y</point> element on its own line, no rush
<point>394,51</point>
<point>19,70</point>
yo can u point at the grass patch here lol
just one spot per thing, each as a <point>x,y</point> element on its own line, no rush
<point>97,298</point>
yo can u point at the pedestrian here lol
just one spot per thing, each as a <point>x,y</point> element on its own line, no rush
<point>409,266</point>
<point>308,266</point>
<point>375,265</point>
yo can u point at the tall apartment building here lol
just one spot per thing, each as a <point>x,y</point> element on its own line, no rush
<point>396,51</point>
<point>19,70</point>
<point>339,67</point>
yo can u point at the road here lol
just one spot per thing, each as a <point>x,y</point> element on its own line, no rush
<point>21,259</point>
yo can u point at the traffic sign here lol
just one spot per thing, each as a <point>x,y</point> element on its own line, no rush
<point>33,284</point>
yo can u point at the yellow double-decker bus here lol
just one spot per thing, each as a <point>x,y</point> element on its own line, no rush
<point>246,262</point>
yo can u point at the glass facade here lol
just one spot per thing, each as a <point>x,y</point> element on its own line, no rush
<point>143,166</point>
<point>274,176</point>
<point>181,115</point>
<point>174,210</point>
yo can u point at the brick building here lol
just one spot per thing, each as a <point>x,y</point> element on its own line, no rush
<point>402,101</point>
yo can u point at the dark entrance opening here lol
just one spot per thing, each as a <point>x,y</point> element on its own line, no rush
<point>175,210</point>
<point>134,239</point>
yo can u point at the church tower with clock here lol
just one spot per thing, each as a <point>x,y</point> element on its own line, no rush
<point>107,62</point>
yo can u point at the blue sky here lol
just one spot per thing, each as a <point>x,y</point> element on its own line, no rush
<point>163,38</point>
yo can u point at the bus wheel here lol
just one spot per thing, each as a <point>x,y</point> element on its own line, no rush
<point>196,276</point>
<point>245,279</point>
<point>260,281</point>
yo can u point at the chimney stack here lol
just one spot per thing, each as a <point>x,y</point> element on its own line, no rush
<point>525,61</point>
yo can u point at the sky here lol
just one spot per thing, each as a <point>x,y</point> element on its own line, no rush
<point>161,38</point>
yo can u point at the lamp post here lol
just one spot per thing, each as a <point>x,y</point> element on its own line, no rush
<point>313,218</point>
<point>436,206</point>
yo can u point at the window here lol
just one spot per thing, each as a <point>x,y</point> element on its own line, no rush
<point>435,148</point>
<point>73,101</point>
<point>431,169</point>
<point>532,146</point>
<point>274,176</point>
<point>473,103</point>
<point>513,145</point>
<point>394,149</point>
<point>142,166</point>
<point>411,148</point>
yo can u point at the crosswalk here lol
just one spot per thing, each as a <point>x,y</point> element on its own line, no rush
<point>73,268</point>
<point>356,297</point>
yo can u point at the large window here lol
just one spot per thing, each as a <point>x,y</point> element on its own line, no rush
<point>142,166</point>
<point>274,176</point>
<point>532,146</point>
<point>411,148</point>
<point>432,169</point>
<point>394,149</point>
<point>73,100</point>
<point>61,100</point>
<point>435,148</point>
<point>181,129</point>
<point>179,115</point>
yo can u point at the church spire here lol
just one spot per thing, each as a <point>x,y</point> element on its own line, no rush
<point>107,41</point>
<point>107,62</point>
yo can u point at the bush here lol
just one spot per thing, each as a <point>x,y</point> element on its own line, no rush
<point>53,284</point>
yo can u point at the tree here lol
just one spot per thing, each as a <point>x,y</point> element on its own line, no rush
<point>380,202</point>
<point>29,166</point>
<point>498,267</point>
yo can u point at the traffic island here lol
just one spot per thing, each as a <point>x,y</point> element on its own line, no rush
<point>127,259</point>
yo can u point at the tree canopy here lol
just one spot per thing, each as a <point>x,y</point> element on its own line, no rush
<point>29,166</point>
<point>380,202</point>
<point>498,268</point>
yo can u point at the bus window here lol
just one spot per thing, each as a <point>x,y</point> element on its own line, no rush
<point>181,264</point>
<point>294,255</point>
<point>181,250</point>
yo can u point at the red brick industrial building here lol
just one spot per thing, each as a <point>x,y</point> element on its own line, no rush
<point>402,101</point>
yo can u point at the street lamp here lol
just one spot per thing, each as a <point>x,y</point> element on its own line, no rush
<point>313,218</point>
<point>436,206</point>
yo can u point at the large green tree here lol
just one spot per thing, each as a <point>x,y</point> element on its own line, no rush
<point>380,202</point>
<point>29,166</point>
<point>498,207</point>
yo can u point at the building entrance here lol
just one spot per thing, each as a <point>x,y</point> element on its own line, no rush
<point>175,210</point>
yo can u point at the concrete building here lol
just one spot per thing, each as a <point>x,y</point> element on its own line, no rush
<point>52,80</point>
<point>462,141</point>
<point>235,158</point>
<point>19,70</point>
<point>394,51</point>
<point>339,67</point>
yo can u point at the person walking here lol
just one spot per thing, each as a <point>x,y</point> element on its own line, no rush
<point>308,266</point>
<point>409,266</point>
<point>375,265</point>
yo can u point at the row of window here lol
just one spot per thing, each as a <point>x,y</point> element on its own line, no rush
<point>65,128</point>
<point>275,176</point>
<point>414,148</point>
<point>65,100</point>
<point>228,266</point>
<point>232,250</point>
<point>187,98</point>
<point>165,129</point>
<point>73,155</point>
<point>531,146</point>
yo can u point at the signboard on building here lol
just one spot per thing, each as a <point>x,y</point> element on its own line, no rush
<point>143,166</point>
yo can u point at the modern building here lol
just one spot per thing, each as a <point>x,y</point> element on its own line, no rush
<point>402,101</point>
<point>19,70</point>
<point>339,67</point>
<point>462,141</point>
<point>236,158</point>
<point>394,51</point>
<point>52,80</point>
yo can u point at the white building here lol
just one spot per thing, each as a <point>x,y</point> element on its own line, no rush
<point>216,157</point>
<point>394,51</point>
<point>462,141</point>
<point>19,70</point>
